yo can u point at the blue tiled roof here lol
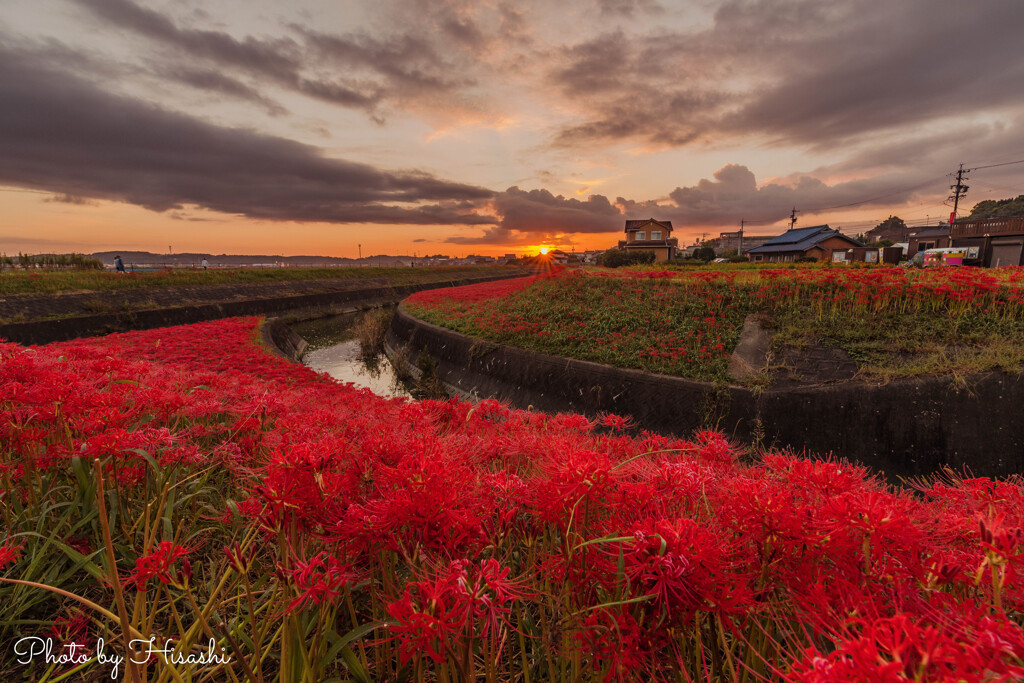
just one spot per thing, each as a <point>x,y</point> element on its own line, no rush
<point>799,239</point>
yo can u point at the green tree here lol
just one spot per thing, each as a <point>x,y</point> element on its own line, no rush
<point>706,254</point>
<point>999,208</point>
<point>614,258</point>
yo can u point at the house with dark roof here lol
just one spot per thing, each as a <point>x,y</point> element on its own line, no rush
<point>651,235</point>
<point>892,229</point>
<point>936,237</point>
<point>816,242</point>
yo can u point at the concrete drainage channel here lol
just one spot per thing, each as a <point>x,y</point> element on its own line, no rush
<point>303,305</point>
<point>905,428</point>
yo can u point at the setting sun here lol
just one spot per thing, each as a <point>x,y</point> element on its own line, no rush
<point>543,250</point>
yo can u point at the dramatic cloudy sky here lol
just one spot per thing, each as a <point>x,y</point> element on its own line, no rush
<point>315,126</point>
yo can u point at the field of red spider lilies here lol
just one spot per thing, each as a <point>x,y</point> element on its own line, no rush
<point>225,515</point>
<point>893,321</point>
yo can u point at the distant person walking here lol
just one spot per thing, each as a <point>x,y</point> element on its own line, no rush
<point>118,264</point>
<point>205,264</point>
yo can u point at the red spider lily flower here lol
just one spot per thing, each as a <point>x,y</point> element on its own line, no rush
<point>72,628</point>
<point>999,538</point>
<point>614,641</point>
<point>714,448</point>
<point>821,547</point>
<point>616,422</point>
<point>157,564</point>
<point>903,647</point>
<point>319,580</point>
<point>576,477</point>
<point>10,552</point>
<point>430,616</point>
<point>491,594</point>
<point>684,565</point>
<point>238,559</point>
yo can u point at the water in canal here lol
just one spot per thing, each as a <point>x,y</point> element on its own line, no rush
<point>334,349</point>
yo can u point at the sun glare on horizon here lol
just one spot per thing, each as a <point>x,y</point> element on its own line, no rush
<point>543,251</point>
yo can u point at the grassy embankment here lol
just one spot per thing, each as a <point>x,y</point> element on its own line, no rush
<point>892,322</point>
<point>21,282</point>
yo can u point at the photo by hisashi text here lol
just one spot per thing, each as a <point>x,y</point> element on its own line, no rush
<point>32,648</point>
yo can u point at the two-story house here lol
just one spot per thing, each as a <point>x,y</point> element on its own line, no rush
<point>651,235</point>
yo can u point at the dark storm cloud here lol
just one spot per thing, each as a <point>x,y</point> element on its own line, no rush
<point>541,211</point>
<point>69,199</point>
<point>627,8</point>
<point>429,49</point>
<point>594,66</point>
<point>405,60</point>
<point>721,202</point>
<point>796,71</point>
<point>490,236</point>
<point>464,30</point>
<point>218,82</point>
<point>63,135</point>
<point>57,55</point>
<point>278,60</point>
<point>734,194</point>
<point>527,215</point>
<point>957,59</point>
<point>669,119</point>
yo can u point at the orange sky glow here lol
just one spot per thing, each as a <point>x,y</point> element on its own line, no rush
<point>406,128</point>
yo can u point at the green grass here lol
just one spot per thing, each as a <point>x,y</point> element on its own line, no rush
<point>53,282</point>
<point>887,346</point>
<point>892,323</point>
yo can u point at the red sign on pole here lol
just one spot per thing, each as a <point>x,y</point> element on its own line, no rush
<point>952,217</point>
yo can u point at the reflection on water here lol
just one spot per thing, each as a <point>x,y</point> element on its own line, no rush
<point>343,363</point>
<point>323,332</point>
<point>334,350</point>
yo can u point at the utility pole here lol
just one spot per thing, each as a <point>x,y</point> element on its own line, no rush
<point>792,218</point>
<point>739,252</point>
<point>360,251</point>
<point>959,190</point>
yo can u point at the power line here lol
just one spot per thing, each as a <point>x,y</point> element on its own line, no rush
<point>1008,163</point>
<point>911,189</point>
<point>12,189</point>
<point>996,188</point>
<point>882,196</point>
<point>959,192</point>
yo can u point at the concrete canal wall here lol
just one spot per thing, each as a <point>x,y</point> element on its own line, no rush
<point>239,300</point>
<point>905,427</point>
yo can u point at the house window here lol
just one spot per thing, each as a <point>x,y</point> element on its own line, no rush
<point>655,234</point>
<point>641,235</point>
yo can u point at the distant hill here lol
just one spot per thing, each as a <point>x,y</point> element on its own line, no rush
<point>146,258</point>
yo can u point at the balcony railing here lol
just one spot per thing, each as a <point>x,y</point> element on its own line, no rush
<point>988,226</point>
<point>670,242</point>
